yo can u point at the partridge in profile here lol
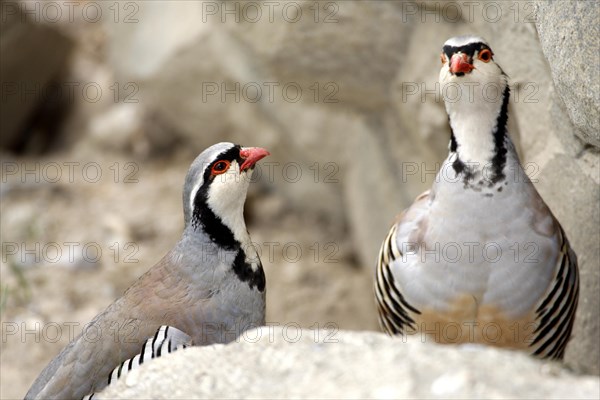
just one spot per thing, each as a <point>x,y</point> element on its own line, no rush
<point>479,258</point>
<point>209,288</point>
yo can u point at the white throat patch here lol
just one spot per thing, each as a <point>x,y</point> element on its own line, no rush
<point>473,103</point>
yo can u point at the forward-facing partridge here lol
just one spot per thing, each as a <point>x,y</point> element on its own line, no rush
<point>210,286</point>
<point>479,258</point>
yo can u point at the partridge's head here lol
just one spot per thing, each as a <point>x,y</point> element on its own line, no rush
<point>217,183</point>
<point>470,77</point>
<point>468,58</point>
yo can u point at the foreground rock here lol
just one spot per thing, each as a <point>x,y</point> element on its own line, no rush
<point>280,363</point>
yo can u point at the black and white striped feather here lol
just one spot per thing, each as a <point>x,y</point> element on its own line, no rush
<point>556,312</point>
<point>166,340</point>
<point>394,312</point>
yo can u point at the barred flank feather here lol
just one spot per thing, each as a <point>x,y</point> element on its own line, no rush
<point>556,312</point>
<point>166,340</point>
<point>394,311</point>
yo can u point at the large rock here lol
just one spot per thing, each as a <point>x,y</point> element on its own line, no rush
<point>290,363</point>
<point>571,47</point>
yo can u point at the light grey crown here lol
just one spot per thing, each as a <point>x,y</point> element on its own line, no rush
<point>464,40</point>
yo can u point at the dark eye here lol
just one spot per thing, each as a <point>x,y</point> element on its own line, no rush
<point>220,167</point>
<point>485,55</point>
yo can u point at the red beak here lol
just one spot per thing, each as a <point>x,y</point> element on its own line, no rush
<point>459,63</point>
<point>251,155</point>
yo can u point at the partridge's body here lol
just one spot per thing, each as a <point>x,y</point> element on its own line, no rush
<point>210,286</point>
<point>479,258</point>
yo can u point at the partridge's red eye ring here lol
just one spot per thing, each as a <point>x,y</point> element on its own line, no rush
<point>220,167</point>
<point>485,55</point>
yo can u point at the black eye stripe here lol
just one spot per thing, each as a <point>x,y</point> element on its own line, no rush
<point>468,49</point>
<point>232,154</point>
<point>202,213</point>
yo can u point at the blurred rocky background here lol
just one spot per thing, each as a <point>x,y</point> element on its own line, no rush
<point>105,104</point>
